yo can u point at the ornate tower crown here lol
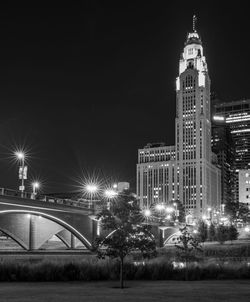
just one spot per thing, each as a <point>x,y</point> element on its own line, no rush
<point>193,37</point>
<point>192,56</point>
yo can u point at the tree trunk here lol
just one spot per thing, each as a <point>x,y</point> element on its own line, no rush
<point>121,273</point>
<point>186,270</point>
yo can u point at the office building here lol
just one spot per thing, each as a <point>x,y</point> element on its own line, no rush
<point>244,186</point>
<point>237,116</point>
<point>184,171</point>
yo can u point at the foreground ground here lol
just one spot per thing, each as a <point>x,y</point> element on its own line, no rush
<point>135,291</point>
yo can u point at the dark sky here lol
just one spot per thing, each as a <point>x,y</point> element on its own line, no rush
<point>84,85</point>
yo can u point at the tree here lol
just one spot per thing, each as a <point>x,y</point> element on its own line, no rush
<point>211,232</point>
<point>221,234</point>
<point>231,209</point>
<point>187,247</point>
<point>243,212</point>
<point>232,233</point>
<point>202,231</point>
<point>236,211</point>
<point>127,235</point>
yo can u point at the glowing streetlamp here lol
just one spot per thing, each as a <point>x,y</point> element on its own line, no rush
<point>204,217</point>
<point>176,211</point>
<point>91,189</point>
<point>159,207</point>
<point>110,194</point>
<point>22,169</point>
<point>169,209</point>
<point>35,187</point>
<point>147,213</point>
<point>209,210</point>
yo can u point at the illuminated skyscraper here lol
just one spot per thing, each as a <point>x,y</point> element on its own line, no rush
<point>223,147</point>
<point>199,178</point>
<point>194,180</point>
<point>237,116</point>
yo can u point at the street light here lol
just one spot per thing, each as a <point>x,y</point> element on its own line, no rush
<point>169,209</point>
<point>91,189</point>
<point>20,155</point>
<point>35,187</point>
<point>147,213</point>
<point>176,211</point>
<point>159,207</point>
<point>110,194</point>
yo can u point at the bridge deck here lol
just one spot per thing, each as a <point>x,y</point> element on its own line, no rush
<point>28,199</point>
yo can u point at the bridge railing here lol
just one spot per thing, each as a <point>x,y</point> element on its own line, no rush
<point>9,192</point>
<point>81,203</point>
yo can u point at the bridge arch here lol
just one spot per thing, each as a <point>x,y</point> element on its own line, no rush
<point>170,234</point>
<point>47,216</point>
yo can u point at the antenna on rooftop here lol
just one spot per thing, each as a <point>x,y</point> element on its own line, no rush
<point>194,23</point>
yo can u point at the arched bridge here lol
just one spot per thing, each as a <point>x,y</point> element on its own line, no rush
<point>32,222</point>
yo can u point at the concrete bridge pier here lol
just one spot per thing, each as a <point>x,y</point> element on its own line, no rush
<point>31,223</point>
<point>32,232</point>
<point>72,241</point>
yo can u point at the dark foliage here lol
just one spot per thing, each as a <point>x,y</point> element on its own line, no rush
<point>202,231</point>
<point>187,247</point>
<point>212,232</point>
<point>232,233</point>
<point>221,234</point>
<point>128,234</point>
<point>236,211</point>
<point>109,270</point>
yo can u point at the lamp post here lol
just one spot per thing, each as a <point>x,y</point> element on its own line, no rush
<point>147,214</point>
<point>110,194</point>
<point>209,210</point>
<point>176,211</point>
<point>22,170</point>
<point>91,189</point>
<point>35,187</point>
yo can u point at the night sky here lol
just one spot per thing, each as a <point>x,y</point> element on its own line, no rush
<point>84,85</point>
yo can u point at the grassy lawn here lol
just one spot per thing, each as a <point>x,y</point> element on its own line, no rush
<point>137,291</point>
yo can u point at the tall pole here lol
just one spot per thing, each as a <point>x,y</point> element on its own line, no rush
<point>22,179</point>
<point>35,186</point>
<point>22,170</point>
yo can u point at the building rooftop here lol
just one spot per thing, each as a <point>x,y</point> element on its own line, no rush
<point>155,145</point>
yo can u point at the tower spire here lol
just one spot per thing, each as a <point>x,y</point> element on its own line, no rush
<point>194,23</point>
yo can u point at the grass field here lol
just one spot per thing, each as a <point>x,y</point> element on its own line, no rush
<point>200,291</point>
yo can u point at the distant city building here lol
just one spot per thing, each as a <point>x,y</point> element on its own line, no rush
<point>121,186</point>
<point>244,186</point>
<point>223,147</point>
<point>237,115</point>
<point>156,174</point>
<point>184,171</point>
